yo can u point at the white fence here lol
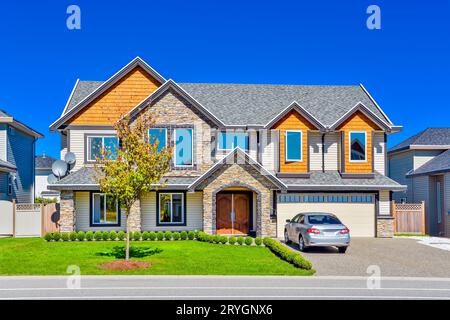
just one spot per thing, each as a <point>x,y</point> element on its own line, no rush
<point>6,218</point>
<point>21,220</point>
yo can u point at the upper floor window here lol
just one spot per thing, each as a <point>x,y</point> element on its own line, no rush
<point>105,209</point>
<point>293,145</point>
<point>97,143</point>
<point>158,135</point>
<point>358,146</point>
<point>231,140</point>
<point>183,151</point>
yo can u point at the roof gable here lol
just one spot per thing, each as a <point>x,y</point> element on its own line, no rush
<point>297,108</point>
<point>438,164</point>
<point>373,120</point>
<point>431,138</point>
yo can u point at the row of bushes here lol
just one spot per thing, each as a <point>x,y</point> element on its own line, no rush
<point>287,254</point>
<point>217,238</point>
<point>113,235</point>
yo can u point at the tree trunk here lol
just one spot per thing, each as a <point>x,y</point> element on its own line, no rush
<point>127,248</point>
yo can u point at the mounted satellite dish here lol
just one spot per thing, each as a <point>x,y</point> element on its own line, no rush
<point>59,168</point>
<point>70,158</point>
<point>51,179</point>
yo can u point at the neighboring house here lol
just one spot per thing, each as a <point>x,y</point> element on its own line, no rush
<point>17,148</point>
<point>266,152</point>
<point>43,168</point>
<point>422,162</point>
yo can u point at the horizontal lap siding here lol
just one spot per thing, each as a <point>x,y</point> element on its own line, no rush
<point>315,151</point>
<point>447,204</point>
<point>331,152</point>
<point>269,149</point>
<point>379,153</point>
<point>194,213</point>
<point>399,165</point>
<point>384,203</point>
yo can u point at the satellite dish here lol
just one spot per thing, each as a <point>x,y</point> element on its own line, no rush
<point>70,158</point>
<point>52,179</point>
<point>59,168</point>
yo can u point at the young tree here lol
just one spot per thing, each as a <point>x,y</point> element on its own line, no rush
<point>139,165</point>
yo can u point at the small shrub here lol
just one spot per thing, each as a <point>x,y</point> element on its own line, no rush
<point>223,239</point>
<point>258,241</point>
<point>89,236</point>
<point>65,236</point>
<point>160,235</point>
<point>113,235</point>
<point>183,235</point>
<point>56,236</point>
<point>121,235</point>
<point>196,232</point>
<point>105,235</point>
<point>98,235</point>
<point>152,235</point>
<point>73,236</point>
<point>137,235</point>
<point>135,252</point>
<point>240,241</point>
<point>248,241</point>
<point>145,235</point>
<point>176,235</point>
<point>191,235</point>
<point>168,235</point>
<point>48,236</point>
<point>232,240</point>
<point>216,238</point>
<point>287,254</point>
<point>81,235</point>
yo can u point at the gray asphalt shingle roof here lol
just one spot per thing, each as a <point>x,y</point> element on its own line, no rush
<point>257,104</point>
<point>7,165</point>
<point>427,137</point>
<point>440,163</point>
<point>44,162</point>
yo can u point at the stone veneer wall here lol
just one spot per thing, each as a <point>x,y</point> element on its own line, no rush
<point>385,227</point>
<point>67,212</point>
<point>239,175</point>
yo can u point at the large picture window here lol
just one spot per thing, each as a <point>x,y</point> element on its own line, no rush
<point>158,135</point>
<point>97,143</point>
<point>230,140</point>
<point>183,151</point>
<point>105,210</point>
<point>293,145</point>
<point>171,208</point>
<point>358,146</point>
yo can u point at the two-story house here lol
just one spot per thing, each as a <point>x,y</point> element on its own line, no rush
<point>422,163</point>
<point>17,149</point>
<point>246,157</point>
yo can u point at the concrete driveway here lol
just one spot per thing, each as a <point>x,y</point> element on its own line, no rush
<point>400,257</point>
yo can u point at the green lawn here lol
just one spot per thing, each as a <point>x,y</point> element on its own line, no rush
<point>34,256</point>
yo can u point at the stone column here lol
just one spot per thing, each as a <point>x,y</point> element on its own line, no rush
<point>385,227</point>
<point>67,212</point>
<point>135,217</point>
<point>208,212</point>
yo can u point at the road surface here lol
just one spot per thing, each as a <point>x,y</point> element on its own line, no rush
<point>222,287</point>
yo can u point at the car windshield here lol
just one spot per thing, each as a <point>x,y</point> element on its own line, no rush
<point>323,219</point>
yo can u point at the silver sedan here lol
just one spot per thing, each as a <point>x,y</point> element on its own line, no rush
<point>317,229</point>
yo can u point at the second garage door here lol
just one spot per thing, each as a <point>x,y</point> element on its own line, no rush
<point>357,212</point>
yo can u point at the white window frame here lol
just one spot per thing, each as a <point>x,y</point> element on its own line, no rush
<point>171,212</point>
<point>88,154</point>
<point>175,147</point>
<point>104,205</point>
<point>233,147</point>
<point>165,134</point>
<point>286,146</point>
<point>350,147</point>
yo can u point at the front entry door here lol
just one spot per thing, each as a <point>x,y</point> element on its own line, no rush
<point>240,204</point>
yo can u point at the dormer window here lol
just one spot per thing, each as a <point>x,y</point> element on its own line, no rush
<point>358,146</point>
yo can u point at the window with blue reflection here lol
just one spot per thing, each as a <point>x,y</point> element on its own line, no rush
<point>183,153</point>
<point>357,146</point>
<point>293,145</point>
<point>158,135</point>
<point>96,144</point>
<point>231,140</point>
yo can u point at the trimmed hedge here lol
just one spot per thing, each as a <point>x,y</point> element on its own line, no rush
<point>160,235</point>
<point>168,235</point>
<point>258,241</point>
<point>191,235</point>
<point>152,235</point>
<point>183,235</point>
<point>176,235</point>
<point>232,240</point>
<point>240,241</point>
<point>248,241</point>
<point>113,235</point>
<point>121,235</point>
<point>89,236</point>
<point>81,235</point>
<point>287,254</point>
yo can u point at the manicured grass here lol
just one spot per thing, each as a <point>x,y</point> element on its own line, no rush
<point>411,235</point>
<point>34,256</point>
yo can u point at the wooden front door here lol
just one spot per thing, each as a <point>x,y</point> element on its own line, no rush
<point>226,203</point>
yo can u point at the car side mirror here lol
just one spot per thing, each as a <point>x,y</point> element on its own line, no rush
<point>288,220</point>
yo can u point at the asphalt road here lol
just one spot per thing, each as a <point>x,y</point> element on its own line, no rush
<point>223,287</point>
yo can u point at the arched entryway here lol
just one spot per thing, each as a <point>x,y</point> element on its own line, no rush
<point>234,212</point>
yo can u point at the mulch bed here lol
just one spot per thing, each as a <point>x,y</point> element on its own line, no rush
<point>124,265</point>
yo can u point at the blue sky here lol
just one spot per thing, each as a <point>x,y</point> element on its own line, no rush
<point>405,65</point>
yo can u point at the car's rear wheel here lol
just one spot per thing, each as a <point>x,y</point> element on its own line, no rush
<point>342,249</point>
<point>301,244</point>
<point>286,237</point>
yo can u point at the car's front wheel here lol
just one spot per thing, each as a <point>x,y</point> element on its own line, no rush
<point>286,237</point>
<point>342,249</point>
<point>301,244</point>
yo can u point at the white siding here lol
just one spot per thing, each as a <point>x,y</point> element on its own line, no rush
<point>379,152</point>
<point>82,214</point>
<point>423,156</point>
<point>41,183</point>
<point>63,148</point>
<point>315,151</point>
<point>3,142</point>
<point>384,203</point>
<point>253,144</point>
<point>194,213</point>
<point>77,141</point>
<point>447,204</point>
<point>331,152</point>
<point>269,149</point>
<point>399,165</point>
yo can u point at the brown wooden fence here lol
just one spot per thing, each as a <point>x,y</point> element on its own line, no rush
<point>409,217</point>
<point>50,218</point>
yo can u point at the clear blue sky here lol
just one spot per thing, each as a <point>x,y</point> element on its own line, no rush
<point>405,65</point>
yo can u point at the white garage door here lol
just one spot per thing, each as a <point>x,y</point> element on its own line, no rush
<point>356,211</point>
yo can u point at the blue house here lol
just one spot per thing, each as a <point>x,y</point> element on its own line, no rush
<point>17,159</point>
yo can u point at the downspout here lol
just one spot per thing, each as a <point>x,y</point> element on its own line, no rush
<point>323,152</point>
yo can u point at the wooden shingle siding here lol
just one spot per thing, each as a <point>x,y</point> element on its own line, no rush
<point>358,122</point>
<point>194,213</point>
<point>117,100</point>
<point>331,152</point>
<point>294,121</point>
<point>315,151</point>
<point>379,152</point>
